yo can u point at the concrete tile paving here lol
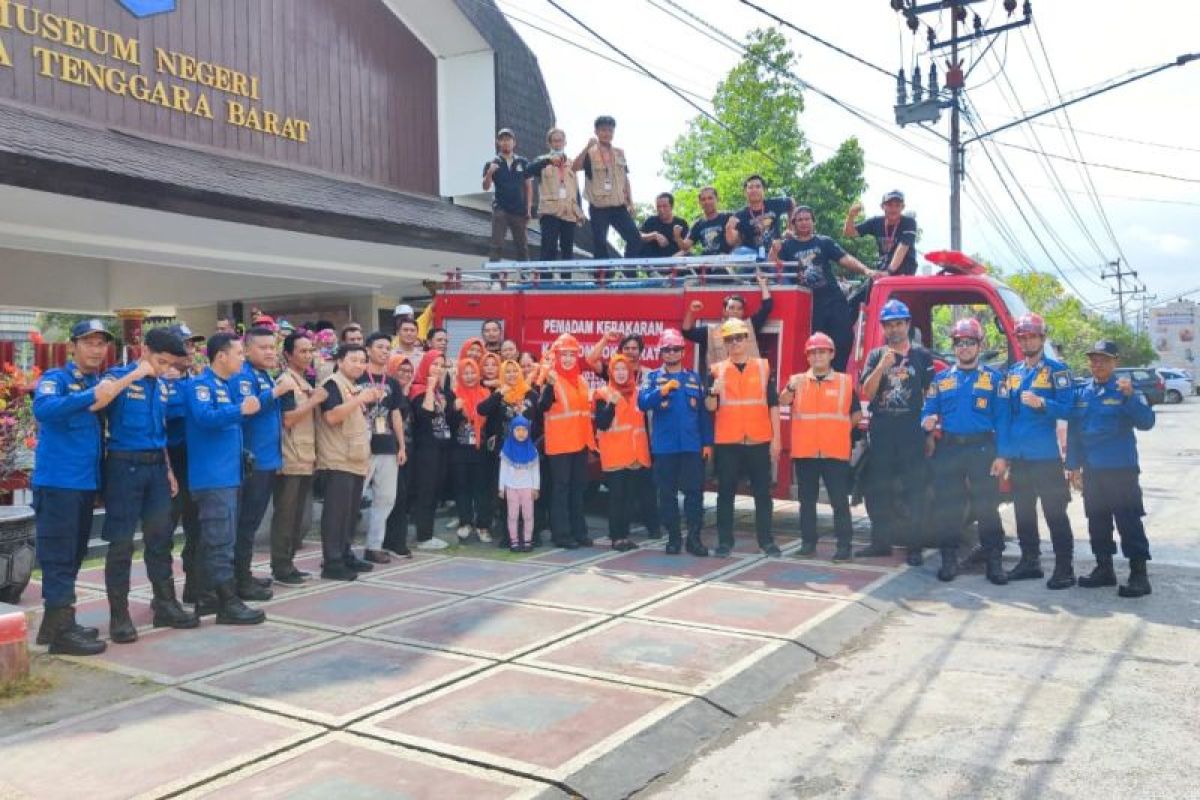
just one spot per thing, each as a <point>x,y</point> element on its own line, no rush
<point>742,610</point>
<point>354,606</point>
<point>464,575</point>
<point>589,590</point>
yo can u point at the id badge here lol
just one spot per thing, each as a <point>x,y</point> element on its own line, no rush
<point>562,193</point>
<point>608,186</point>
<point>381,425</point>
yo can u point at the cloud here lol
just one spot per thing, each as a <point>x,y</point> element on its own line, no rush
<point>1171,244</point>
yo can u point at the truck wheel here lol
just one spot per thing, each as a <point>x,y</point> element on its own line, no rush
<point>1174,396</point>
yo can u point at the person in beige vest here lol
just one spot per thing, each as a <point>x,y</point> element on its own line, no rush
<point>606,187</point>
<point>559,207</point>
<point>344,457</point>
<point>292,491</point>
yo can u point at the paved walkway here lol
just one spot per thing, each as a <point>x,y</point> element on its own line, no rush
<point>583,672</point>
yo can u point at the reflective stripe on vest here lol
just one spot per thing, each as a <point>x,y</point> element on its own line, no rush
<point>820,423</point>
<point>743,419</point>
<point>568,430</point>
<point>624,444</point>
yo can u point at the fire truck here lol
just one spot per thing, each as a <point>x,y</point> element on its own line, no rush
<point>534,312</point>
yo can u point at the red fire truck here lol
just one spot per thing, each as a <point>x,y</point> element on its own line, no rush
<point>535,312</point>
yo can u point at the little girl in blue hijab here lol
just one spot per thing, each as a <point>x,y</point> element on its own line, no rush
<point>520,482</point>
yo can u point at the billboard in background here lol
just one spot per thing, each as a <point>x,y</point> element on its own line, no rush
<point>1173,330</point>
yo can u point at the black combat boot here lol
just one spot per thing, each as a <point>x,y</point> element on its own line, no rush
<point>673,546</point>
<point>232,611</point>
<point>808,547</point>
<point>1139,582</point>
<point>1064,573</point>
<point>120,626</point>
<point>995,568</point>
<point>914,557</point>
<point>949,569</point>
<point>976,558</point>
<point>874,550</point>
<point>1102,575</point>
<point>1028,568</point>
<point>66,637</point>
<point>247,587</point>
<point>167,611</point>
<point>695,545</point>
<point>843,552</point>
<point>45,635</point>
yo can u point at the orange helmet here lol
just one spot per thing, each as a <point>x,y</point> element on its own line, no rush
<point>967,328</point>
<point>818,341</point>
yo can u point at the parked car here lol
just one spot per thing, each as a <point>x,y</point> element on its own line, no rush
<point>1178,384</point>
<point>1145,380</point>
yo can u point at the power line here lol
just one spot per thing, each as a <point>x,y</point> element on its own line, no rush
<point>1113,167</point>
<point>787,24</point>
<point>1125,139</point>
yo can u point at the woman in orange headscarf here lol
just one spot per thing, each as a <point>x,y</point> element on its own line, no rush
<point>513,397</point>
<point>567,420</point>
<point>624,448</point>
<point>472,496</point>
<point>433,408</point>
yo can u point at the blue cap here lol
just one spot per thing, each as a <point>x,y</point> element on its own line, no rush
<point>184,332</point>
<point>1105,347</point>
<point>893,310</point>
<point>894,194</point>
<point>89,326</point>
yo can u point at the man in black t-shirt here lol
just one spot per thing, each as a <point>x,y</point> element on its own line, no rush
<point>753,229</point>
<point>708,232</point>
<point>512,204</point>
<point>896,377</point>
<point>815,256</point>
<point>895,234</point>
<point>662,234</point>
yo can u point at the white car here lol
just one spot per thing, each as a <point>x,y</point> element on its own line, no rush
<point>1178,382</point>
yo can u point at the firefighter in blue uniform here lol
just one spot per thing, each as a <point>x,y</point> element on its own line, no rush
<point>1038,392</point>
<point>261,432</point>
<point>183,508</point>
<point>66,476</point>
<point>1103,459</point>
<point>138,486</point>
<point>214,443</point>
<point>680,439</point>
<point>966,422</point>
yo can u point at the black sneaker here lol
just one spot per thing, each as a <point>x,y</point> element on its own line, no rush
<point>722,551</point>
<point>338,572</point>
<point>807,548</point>
<point>772,551</point>
<point>293,578</point>
<point>357,564</point>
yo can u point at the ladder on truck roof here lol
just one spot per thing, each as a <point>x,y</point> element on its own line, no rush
<point>619,273</point>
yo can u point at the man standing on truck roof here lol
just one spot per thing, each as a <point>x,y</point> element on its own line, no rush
<point>895,234</point>
<point>745,405</point>
<point>607,189</point>
<point>708,337</point>
<point>895,378</point>
<point>512,204</point>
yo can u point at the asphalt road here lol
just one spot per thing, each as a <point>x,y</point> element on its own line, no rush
<point>978,691</point>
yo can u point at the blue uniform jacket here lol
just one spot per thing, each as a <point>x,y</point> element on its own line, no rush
<point>214,433</point>
<point>968,403</point>
<point>69,437</point>
<point>137,418</point>
<point>176,411</point>
<point>1032,433</point>
<point>679,422</point>
<point>262,430</point>
<point>1100,433</point>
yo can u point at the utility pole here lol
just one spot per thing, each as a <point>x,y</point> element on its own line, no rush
<point>1116,272</point>
<point>929,110</point>
<point>1144,319</point>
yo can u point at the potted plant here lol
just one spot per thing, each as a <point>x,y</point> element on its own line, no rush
<point>18,439</point>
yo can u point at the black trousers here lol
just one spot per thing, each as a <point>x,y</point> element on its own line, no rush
<point>292,499</point>
<point>472,492</point>
<point>558,240</point>
<point>833,319</point>
<point>1044,480</point>
<point>895,483</point>
<point>961,478</point>
<point>630,493</point>
<point>617,217</point>
<point>183,507</point>
<point>836,474</point>
<point>1115,496</point>
<point>396,536</point>
<point>252,507</point>
<point>343,494</point>
<point>752,461</point>
<point>568,475</point>
<point>430,462</point>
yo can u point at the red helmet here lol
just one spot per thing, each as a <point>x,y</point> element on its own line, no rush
<point>1031,324</point>
<point>670,337</point>
<point>967,328</point>
<point>818,341</point>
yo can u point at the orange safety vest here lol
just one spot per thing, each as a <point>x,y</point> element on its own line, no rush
<point>743,416</point>
<point>820,420</point>
<point>624,444</point>
<point>569,421</point>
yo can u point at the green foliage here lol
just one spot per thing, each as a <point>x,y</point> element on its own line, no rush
<point>759,107</point>
<point>56,326</point>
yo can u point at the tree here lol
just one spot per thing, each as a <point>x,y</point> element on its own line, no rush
<point>757,107</point>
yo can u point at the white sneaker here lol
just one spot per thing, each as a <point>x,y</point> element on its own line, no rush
<point>484,536</point>
<point>433,544</point>
<point>464,532</point>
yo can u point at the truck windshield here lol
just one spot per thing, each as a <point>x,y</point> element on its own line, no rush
<point>1016,306</point>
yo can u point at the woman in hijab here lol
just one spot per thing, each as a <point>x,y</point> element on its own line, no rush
<point>567,421</point>
<point>472,489</point>
<point>624,448</point>
<point>433,413</point>
<point>512,398</point>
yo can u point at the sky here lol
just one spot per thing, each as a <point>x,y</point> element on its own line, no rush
<point>1149,125</point>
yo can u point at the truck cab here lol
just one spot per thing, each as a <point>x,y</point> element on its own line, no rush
<point>535,313</point>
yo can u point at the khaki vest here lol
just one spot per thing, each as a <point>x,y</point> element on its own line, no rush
<point>613,173</point>
<point>299,442</point>
<point>345,447</point>
<point>549,203</point>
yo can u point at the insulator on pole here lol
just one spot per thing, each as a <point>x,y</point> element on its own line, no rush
<point>933,80</point>
<point>901,88</point>
<point>917,89</point>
